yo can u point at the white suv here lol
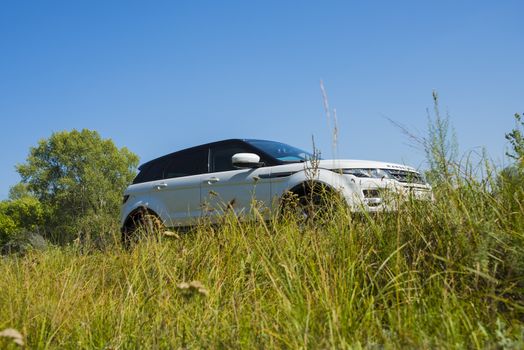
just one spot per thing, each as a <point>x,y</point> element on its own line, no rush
<point>179,188</point>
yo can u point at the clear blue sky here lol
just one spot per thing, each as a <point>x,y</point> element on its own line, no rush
<point>158,76</point>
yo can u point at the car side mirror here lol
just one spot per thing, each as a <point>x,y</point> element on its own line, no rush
<point>246,160</point>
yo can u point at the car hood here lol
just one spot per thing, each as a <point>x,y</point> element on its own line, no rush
<point>363,164</point>
<point>335,164</point>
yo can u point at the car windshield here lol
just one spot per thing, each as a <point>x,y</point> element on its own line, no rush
<point>281,151</point>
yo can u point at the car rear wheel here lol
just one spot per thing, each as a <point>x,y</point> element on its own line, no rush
<point>141,224</point>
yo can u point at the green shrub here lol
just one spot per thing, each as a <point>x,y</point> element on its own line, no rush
<point>7,227</point>
<point>25,213</point>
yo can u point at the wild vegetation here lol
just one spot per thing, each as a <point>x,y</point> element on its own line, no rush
<point>71,188</point>
<point>442,274</point>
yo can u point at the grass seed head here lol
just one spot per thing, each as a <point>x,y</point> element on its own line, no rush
<point>14,335</point>
<point>192,288</point>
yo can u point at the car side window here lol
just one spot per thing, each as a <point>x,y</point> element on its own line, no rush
<point>221,156</point>
<point>152,172</point>
<point>187,163</point>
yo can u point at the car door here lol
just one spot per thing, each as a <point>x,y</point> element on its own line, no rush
<point>227,188</point>
<point>179,191</point>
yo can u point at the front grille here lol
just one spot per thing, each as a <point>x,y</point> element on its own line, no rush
<point>406,176</point>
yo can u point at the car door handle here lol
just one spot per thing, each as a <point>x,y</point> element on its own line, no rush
<point>212,180</point>
<point>160,186</point>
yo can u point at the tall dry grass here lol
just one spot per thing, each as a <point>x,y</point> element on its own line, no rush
<point>448,274</point>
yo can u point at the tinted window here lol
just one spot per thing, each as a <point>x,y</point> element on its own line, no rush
<point>281,151</point>
<point>188,163</point>
<point>152,172</point>
<point>221,156</point>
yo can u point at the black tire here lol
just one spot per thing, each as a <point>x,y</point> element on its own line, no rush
<point>142,223</point>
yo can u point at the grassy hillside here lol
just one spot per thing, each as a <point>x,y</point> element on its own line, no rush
<point>448,274</point>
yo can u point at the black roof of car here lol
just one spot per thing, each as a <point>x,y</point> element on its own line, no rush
<point>144,165</point>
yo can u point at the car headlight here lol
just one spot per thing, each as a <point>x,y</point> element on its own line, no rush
<point>403,176</point>
<point>368,173</point>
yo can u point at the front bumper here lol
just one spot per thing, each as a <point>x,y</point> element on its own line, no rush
<point>387,195</point>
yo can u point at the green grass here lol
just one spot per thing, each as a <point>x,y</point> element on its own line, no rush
<point>448,274</point>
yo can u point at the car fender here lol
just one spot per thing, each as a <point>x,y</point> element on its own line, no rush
<point>147,202</point>
<point>342,184</point>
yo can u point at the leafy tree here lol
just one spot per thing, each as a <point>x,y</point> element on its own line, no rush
<point>79,179</point>
<point>516,139</point>
<point>19,190</point>
<point>512,176</point>
<point>510,180</point>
